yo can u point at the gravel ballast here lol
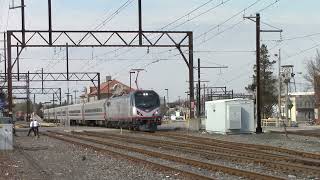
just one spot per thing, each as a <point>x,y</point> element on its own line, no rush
<point>60,160</point>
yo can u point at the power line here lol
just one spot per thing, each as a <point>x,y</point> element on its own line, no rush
<point>169,24</point>
<point>276,1</point>
<point>186,15</point>
<point>301,37</point>
<point>272,26</point>
<point>223,51</point>
<point>301,52</point>
<point>220,4</point>
<point>227,20</point>
<point>108,19</point>
<point>109,59</point>
<point>234,25</point>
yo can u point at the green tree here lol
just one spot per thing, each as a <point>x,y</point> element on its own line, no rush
<point>268,83</point>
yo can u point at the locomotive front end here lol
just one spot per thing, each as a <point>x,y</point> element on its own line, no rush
<point>146,110</point>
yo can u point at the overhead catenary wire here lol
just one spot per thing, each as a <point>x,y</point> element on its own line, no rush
<point>110,17</point>
<point>301,52</point>
<point>227,20</point>
<point>178,19</point>
<point>205,12</point>
<point>222,23</point>
<point>234,25</point>
<point>231,27</point>
<point>186,15</point>
<point>197,8</point>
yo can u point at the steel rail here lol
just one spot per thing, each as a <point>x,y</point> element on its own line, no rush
<point>293,168</point>
<point>132,158</point>
<point>178,159</point>
<point>243,151</point>
<point>243,145</point>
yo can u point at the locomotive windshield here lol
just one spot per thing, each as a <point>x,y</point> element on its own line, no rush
<point>147,99</point>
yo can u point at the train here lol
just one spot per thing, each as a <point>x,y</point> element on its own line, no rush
<point>138,110</point>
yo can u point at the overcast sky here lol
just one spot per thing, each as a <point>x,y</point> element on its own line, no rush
<point>231,44</point>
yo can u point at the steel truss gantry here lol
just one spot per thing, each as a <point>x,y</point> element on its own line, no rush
<point>52,38</point>
<point>178,39</point>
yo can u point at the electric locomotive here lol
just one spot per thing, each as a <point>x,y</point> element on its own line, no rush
<point>139,110</point>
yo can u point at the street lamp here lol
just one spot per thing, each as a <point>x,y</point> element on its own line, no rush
<point>167,95</point>
<point>131,72</point>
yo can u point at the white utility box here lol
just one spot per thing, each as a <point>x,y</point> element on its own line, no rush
<point>230,116</point>
<point>6,134</point>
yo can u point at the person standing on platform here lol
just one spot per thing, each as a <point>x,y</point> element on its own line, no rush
<point>32,128</point>
<point>36,127</point>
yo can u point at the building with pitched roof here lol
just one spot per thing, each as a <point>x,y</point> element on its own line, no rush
<point>109,88</point>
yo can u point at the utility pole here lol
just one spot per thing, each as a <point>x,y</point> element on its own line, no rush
<point>140,22</point>
<point>50,22</point>
<point>75,96</point>
<point>198,94</point>
<point>204,98</point>
<point>279,86</point>
<point>28,96</point>
<point>68,94</point>
<point>259,128</point>
<point>23,26</point>
<point>5,56</point>
<point>53,100</point>
<point>18,62</point>
<point>258,96</point>
<point>67,57</point>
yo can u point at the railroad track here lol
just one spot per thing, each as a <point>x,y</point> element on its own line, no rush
<point>33,162</point>
<point>227,147</point>
<point>235,145</point>
<point>282,164</point>
<point>311,133</point>
<point>164,156</point>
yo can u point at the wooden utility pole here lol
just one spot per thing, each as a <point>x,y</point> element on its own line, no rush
<point>258,96</point>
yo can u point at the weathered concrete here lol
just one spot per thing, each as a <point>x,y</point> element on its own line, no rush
<point>193,124</point>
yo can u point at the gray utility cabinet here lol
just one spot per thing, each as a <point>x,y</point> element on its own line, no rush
<point>230,116</point>
<point>6,133</point>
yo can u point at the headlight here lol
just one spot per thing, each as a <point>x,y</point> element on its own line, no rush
<point>156,113</point>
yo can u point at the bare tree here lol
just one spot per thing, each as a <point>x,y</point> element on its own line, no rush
<point>313,76</point>
<point>313,69</point>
